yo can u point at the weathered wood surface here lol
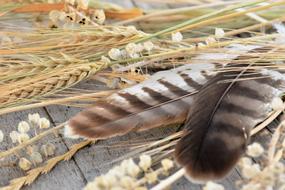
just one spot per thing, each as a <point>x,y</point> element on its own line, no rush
<point>91,161</point>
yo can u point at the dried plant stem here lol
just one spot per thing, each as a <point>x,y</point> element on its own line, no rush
<point>266,122</point>
<point>31,141</point>
<point>18,183</point>
<point>238,31</point>
<point>94,96</point>
<point>165,183</point>
<point>172,11</point>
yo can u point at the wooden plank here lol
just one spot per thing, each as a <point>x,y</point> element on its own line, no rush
<point>55,178</point>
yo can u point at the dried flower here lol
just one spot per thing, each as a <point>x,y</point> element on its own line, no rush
<point>151,177</point>
<point>36,157</point>
<point>213,186</point>
<point>250,171</point>
<point>131,48</point>
<point>132,30</point>
<point>251,186</point>
<point>23,127</point>
<point>277,104</point>
<point>148,46</point>
<point>210,40</point>
<point>44,123</point>
<point>30,149</point>
<point>245,161</point>
<point>83,4</point>
<point>54,15</point>
<point>145,162</point>
<point>25,164</point>
<point>132,169</point>
<point>201,45</point>
<point>23,137</point>
<point>255,150</point>
<point>176,37</point>
<point>278,168</point>
<point>70,1</point>
<point>282,187</point>
<point>48,149</point>
<point>114,54</point>
<point>167,164</point>
<point>127,182</point>
<point>99,16</point>
<point>14,136</point>
<point>105,59</point>
<point>219,33</point>
<point>1,136</point>
<point>34,118</point>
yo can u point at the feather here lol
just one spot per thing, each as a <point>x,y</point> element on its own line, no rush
<point>163,99</point>
<point>221,118</point>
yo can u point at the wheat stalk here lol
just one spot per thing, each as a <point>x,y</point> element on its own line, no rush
<point>18,183</point>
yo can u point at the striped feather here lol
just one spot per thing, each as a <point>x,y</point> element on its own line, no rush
<point>163,99</point>
<point>222,116</point>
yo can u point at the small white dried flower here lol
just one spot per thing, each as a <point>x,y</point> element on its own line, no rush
<point>25,164</point>
<point>99,16</point>
<point>1,136</point>
<point>277,104</point>
<point>23,137</point>
<point>114,54</point>
<point>140,188</point>
<point>281,178</point>
<point>48,149</point>
<point>151,177</point>
<point>176,37</point>
<point>167,164</point>
<point>210,40</point>
<point>105,60</point>
<point>139,48</point>
<point>132,30</point>
<point>117,171</point>
<point>255,150</point>
<point>278,168</point>
<point>245,161</point>
<point>145,162</point>
<point>54,15</point>
<point>83,4</point>
<point>213,186</point>
<point>132,169</point>
<point>134,55</point>
<point>23,127</point>
<point>102,182</point>
<point>70,1</point>
<point>31,148</point>
<point>44,123</point>
<point>112,179</point>
<point>14,136</point>
<point>127,182</point>
<point>34,118</point>
<point>92,186</point>
<point>201,45</point>
<point>282,187</point>
<point>131,48</point>
<point>250,171</point>
<point>219,33</point>
<point>251,186</point>
<point>36,157</point>
<point>148,46</point>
